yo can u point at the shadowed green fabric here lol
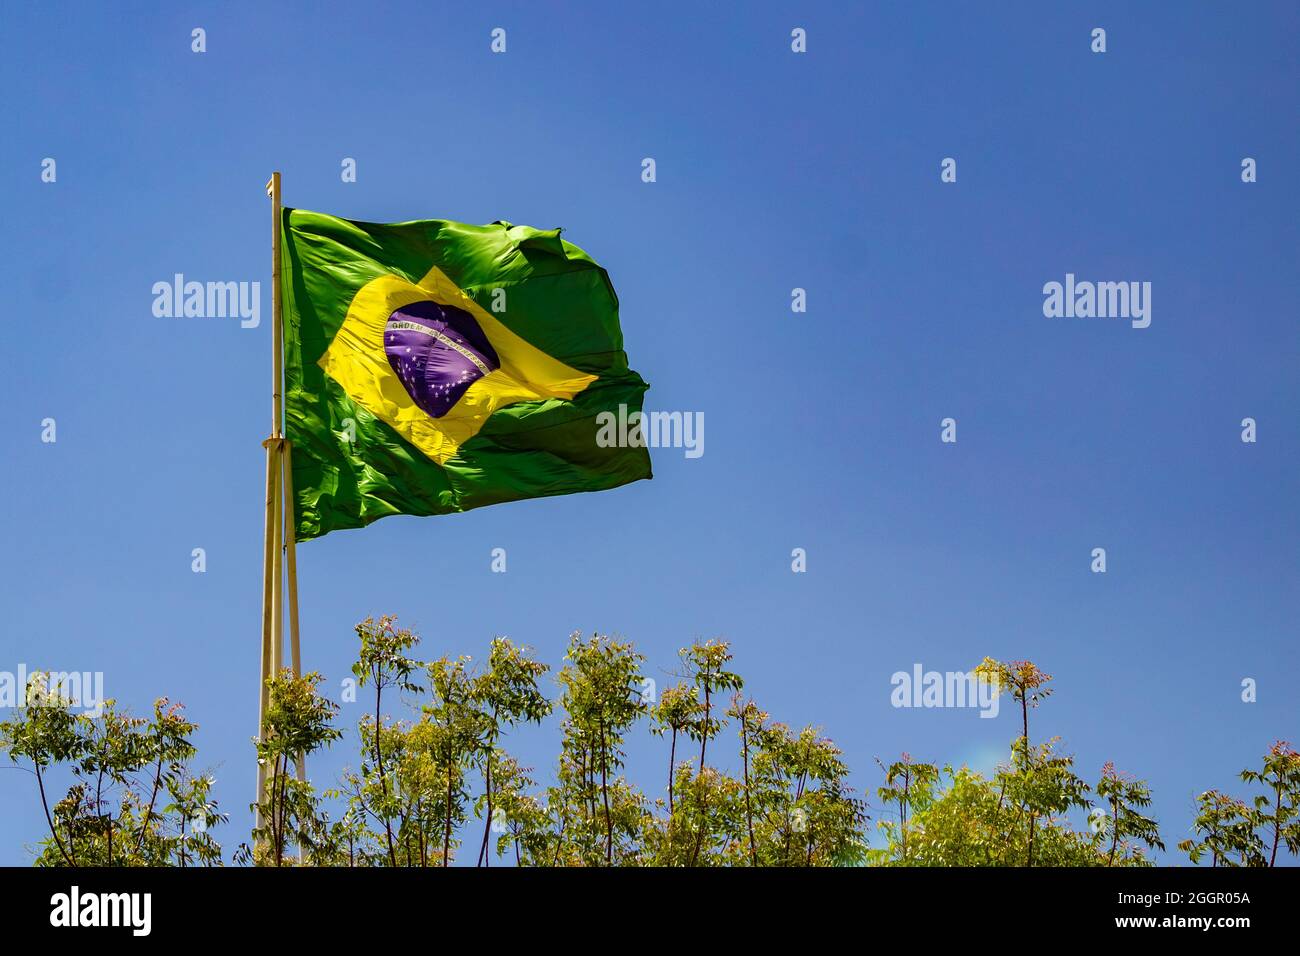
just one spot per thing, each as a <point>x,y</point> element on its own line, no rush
<point>558,300</point>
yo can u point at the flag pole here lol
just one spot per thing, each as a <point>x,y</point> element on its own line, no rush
<point>285,524</point>
<point>277,436</point>
<point>272,576</point>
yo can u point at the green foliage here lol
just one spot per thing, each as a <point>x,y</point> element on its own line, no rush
<point>1232,832</point>
<point>806,815</point>
<point>507,695</point>
<point>423,780</point>
<point>297,723</point>
<point>1277,810</point>
<point>1226,828</point>
<point>677,710</point>
<point>598,811</point>
<point>1019,817</point>
<point>1122,798</point>
<point>1023,680</point>
<point>706,671</point>
<point>383,664</point>
<point>134,799</point>
<point>906,784</point>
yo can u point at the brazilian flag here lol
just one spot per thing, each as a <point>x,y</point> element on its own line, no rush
<point>433,367</point>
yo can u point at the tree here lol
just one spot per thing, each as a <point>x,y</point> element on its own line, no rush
<point>121,768</point>
<point>507,694</point>
<point>750,718</point>
<point>518,818</point>
<point>383,664</point>
<point>1044,785</point>
<point>961,823</point>
<point>1023,681</point>
<point>1019,817</point>
<point>907,783</point>
<point>1235,832</point>
<point>780,798</point>
<point>677,710</point>
<point>298,722</point>
<point>805,814</point>
<point>600,696</point>
<point>44,733</point>
<point>1276,811</point>
<point>192,805</point>
<point>1227,829</point>
<point>706,669</point>
<point>1123,798</point>
<point>1027,686</point>
<point>449,735</point>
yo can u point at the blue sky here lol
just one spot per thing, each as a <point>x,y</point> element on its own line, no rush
<point>775,171</point>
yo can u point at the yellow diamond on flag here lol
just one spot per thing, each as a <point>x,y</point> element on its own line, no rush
<point>431,362</point>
